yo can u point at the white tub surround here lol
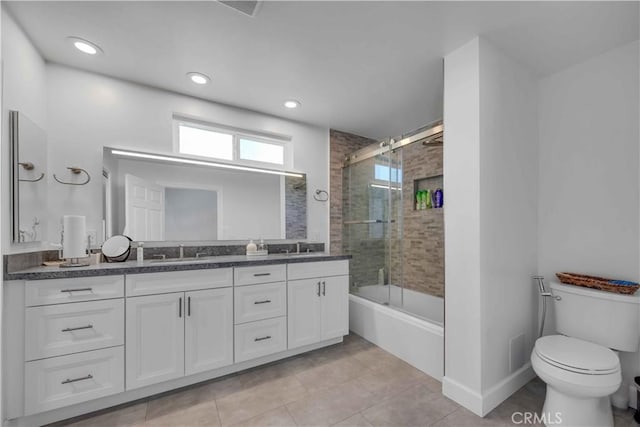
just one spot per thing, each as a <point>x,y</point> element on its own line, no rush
<point>425,306</point>
<point>417,341</point>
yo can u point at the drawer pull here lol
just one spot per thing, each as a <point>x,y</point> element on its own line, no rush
<point>69,381</point>
<point>77,328</point>
<point>261,274</point>
<point>267,301</point>
<point>76,290</point>
<point>268,337</point>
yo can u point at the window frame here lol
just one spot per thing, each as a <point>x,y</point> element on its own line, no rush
<point>237,135</point>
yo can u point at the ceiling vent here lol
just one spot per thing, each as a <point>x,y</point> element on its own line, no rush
<point>249,8</point>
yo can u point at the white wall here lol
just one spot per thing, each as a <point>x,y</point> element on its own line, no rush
<point>589,182</point>
<point>490,171</point>
<point>88,111</point>
<point>24,90</point>
<point>462,223</point>
<point>190,214</point>
<point>508,214</point>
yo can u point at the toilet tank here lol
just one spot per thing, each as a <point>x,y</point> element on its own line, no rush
<point>605,318</point>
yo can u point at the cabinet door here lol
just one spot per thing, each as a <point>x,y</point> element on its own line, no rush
<point>335,306</point>
<point>208,330</point>
<point>303,320</point>
<point>154,339</point>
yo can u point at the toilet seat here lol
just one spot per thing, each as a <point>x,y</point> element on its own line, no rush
<point>575,355</point>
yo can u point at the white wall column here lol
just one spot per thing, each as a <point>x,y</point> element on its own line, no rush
<point>490,166</point>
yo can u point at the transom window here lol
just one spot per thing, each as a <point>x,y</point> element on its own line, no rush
<point>201,140</point>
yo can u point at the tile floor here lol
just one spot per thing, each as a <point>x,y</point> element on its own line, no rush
<point>353,383</point>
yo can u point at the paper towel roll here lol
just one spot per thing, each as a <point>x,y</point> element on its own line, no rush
<point>74,240</point>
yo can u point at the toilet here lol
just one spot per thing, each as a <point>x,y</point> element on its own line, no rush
<point>579,365</point>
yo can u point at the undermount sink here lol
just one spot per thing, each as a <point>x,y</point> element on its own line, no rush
<point>306,253</point>
<point>177,260</point>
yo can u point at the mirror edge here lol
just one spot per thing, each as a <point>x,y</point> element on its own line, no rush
<point>14,187</point>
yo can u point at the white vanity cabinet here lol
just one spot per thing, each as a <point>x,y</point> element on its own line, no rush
<point>73,341</point>
<point>155,339</point>
<point>208,330</point>
<point>318,302</point>
<point>170,335</point>
<point>86,343</point>
<point>260,311</point>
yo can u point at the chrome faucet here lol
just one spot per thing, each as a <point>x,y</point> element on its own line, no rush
<point>297,248</point>
<point>181,248</point>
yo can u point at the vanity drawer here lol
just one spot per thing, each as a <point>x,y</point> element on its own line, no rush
<point>54,330</point>
<point>310,270</point>
<point>178,281</point>
<point>67,380</point>
<point>58,291</point>
<point>258,302</point>
<point>259,274</point>
<point>261,338</point>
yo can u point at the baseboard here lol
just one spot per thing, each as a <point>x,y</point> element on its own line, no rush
<point>463,395</point>
<point>482,404</point>
<point>505,388</point>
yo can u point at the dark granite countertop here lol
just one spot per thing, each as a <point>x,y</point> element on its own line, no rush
<point>156,266</point>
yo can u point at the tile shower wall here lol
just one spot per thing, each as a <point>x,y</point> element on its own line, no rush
<point>419,256</point>
<point>340,144</point>
<point>367,243</point>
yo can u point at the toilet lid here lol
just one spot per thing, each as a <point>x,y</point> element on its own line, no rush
<point>576,355</point>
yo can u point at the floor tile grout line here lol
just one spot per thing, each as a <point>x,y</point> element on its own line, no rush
<point>291,415</point>
<point>295,420</point>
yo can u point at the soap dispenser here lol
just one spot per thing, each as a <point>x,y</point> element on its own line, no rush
<point>261,246</point>
<point>251,247</point>
<point>140,253</point>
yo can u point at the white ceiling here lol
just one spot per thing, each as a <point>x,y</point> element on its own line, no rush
<point>371,68</point>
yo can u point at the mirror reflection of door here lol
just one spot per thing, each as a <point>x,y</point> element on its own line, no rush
<point>144,209</point>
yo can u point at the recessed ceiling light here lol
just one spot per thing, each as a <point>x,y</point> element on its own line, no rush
<point>292,103</point>
<point>85,46</point>
<point>198,78</point>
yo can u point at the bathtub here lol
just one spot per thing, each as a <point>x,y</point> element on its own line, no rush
<point>414,332</point>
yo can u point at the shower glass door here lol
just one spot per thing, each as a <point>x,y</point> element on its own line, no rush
<point>372,226</point>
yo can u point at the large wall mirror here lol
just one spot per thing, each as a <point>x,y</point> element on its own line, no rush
<point>151,197</point>
<point>28,179</point>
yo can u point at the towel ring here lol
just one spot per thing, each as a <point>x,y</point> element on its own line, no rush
<point>76,171</point>
<point>32,180</point>
<point>321,196</point>
<point>28,166</point>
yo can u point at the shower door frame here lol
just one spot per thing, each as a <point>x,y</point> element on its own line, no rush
<point>429,134</point>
